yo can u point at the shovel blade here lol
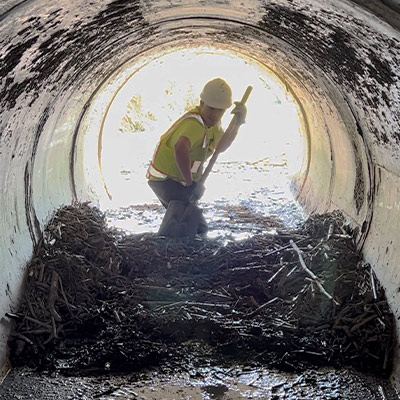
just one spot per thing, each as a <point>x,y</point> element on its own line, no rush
<point>181,219</point>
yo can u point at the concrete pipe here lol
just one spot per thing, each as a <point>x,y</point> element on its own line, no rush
<point>338,59</point>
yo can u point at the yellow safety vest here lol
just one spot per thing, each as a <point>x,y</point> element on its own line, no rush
<point>203,142</point>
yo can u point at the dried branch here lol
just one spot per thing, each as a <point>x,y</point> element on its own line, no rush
<point>312,275</point>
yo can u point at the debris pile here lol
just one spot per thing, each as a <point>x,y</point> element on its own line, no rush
<point>98,300</point>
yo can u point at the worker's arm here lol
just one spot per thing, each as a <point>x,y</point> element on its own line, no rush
<point>228,138</point>
<point>240,112</point>
<point>182,157</point>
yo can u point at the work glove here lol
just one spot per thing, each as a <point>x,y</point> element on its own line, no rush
<point>197,190</point>
<point>240,111</point>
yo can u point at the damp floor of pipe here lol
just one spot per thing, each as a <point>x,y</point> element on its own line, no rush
<point>202,383</point>
<point>199,375</point>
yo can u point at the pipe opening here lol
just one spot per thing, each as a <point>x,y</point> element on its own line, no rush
<point>257,172</point>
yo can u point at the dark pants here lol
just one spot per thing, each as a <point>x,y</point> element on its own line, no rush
<point>171,190</point>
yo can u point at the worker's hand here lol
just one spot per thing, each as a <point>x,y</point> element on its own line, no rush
<point>197,189</point>
<point>240,111</point>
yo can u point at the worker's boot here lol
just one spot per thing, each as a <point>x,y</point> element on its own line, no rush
<point>202,228</point>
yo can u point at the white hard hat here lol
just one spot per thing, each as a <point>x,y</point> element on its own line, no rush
<point>217,94</point>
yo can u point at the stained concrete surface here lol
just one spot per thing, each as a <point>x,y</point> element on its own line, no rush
<point>387,10</point>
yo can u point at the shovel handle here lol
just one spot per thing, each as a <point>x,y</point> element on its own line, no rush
<point>246,94</point>
<point>231,124</point>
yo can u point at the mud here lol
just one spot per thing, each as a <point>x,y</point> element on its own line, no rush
<point>99,303</point>
<point>201,383</point>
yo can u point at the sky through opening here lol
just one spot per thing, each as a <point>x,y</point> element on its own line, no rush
<point>266,154</point>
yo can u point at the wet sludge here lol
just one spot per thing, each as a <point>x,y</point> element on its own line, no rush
<point>99,302</point>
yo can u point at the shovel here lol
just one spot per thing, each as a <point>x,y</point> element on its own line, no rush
<point>182,218</point>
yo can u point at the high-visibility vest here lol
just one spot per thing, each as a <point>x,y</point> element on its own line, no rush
<point>163,165</point>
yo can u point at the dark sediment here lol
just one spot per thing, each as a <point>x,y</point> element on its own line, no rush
<point>98,300</point>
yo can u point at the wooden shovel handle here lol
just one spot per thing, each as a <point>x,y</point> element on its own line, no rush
<point>231,124</point>
<point>246,94</point>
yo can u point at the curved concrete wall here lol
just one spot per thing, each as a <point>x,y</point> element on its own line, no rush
<point>338,59</point>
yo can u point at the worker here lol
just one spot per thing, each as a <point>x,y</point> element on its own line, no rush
<point>178,161</point>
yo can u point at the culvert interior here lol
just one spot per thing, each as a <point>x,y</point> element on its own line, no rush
<point>338,60</point>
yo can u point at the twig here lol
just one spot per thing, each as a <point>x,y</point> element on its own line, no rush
<point>282,248</point>
<point>188,303</point>
<point>254,301</point>
<point>216,294</point>
<point>117,316</point>
<point>23,337</point>
<point>373,283</point>
<point>291,271</point>
<point>309,272</point>
<point>53,322</point>
<point>262,306</point>
<point>36,321</point>
<point>35,332</point>
<point>5,374</point>
<point>360,324</point>
<point>382,392</point>
<point>283,324</point>
<point>69,306</point>
<point>248,268</point>
<point>276,273</point>
<point>330,231</point>
<point>41,272</point>
<point>31,307</point>
<point>53,296</point>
